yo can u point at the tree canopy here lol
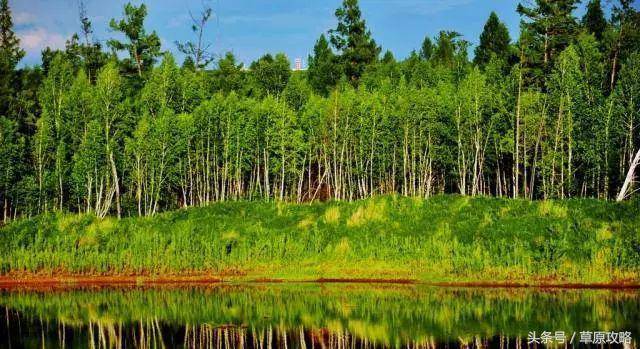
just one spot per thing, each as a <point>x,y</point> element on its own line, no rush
<point>324,69</point>
<point>10,55</point>
<point>353,40</point>
<point>494,40</point>
<point>143,48</point>
<point>88,131</point>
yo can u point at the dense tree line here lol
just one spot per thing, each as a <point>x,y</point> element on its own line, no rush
<point>551,115</point>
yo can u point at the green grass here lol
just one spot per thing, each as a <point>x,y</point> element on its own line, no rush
<point>444,238</point>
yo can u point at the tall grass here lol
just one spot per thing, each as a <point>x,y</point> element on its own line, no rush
<point>443,238</point>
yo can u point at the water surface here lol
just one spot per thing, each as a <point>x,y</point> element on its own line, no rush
<point>308,316</point>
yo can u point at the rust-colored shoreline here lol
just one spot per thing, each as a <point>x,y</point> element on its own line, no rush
<point>103,281</point>
<point>115,281</point>
<point>541,285</point>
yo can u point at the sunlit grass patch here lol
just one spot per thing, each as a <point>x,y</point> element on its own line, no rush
<point>552,208</point>
<point>372,211</point>
<point>439,238</point>
<point>230,235</point>
<point>306,223</point>
<point>72,222</point>
<point>604,233</point>
<point>102,225</point>
<point>332,215</point>
<point>343,248</point>
<point>460,202</point>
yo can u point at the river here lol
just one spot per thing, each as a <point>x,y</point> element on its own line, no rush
<point>316,316</point>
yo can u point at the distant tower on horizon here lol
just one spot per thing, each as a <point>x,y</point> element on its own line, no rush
<point>298,64</point>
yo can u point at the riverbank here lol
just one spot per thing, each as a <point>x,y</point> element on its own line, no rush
<point>68,282</point>
<point>444,239</point>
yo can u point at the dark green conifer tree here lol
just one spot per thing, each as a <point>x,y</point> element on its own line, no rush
<point>353,40</point>
<point>551,27</point>
<point>594,21</point>
<point>494,39</point>
<point>324,69</point>
<point>143,48</point>
<point>10,55</point>
<point>426,51</point>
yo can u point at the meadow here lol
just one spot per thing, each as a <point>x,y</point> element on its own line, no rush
<point>442,238</point>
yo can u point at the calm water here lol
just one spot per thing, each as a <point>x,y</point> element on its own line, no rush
<point>310,316</point>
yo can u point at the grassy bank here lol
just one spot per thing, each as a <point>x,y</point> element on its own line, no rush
<point>444,238</point>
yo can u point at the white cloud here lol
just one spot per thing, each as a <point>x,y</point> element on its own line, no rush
<point>422,7</point>
<point>242,19</point>
<point>36,39</point>
<point>23,18</point>
<point>178,21</point>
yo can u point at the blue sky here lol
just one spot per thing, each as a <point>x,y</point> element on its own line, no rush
<point>250,28</point>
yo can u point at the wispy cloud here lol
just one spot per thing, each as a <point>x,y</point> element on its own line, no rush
<point>36,39</point>
<point>280,18</point>
<point>24,18</point>
<point>268,18</point>
<point>179,21</point>
<point>421,7</point>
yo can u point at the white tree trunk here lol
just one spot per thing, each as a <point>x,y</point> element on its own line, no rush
<point>630,176</point>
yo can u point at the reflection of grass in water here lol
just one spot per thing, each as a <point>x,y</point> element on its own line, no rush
<point>386,314</point>
<point>441,238</point>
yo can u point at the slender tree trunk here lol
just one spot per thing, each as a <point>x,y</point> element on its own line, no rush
<point>606,151</point>
<point>5,208</point>
<point>630,176</point>
<point>516,164</point>
<point>614,61</point>
<point>138,61</point>
<point>116,184</point>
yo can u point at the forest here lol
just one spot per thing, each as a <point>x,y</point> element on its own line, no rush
<point>120,128</point>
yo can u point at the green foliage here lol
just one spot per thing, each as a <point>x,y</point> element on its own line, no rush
<point>154,151</point>
<point>324,69</point>
<point>450,51</point>
<point>229,75</point>
<point>271,73</point>
<point>426,50</point>
<point>627,115</point>
<point>53,130</point>
<point>594,20</point>
<point>143,48</point>
<point>10,55</point>
<point>162,90</point>
<point>494,40</point>
<point>86,55</point>
<point>11,153</point>
<point>550,27</point>
<point>10,43</point>
<point>352,39</point>
<point>560,123</point>
<point>297,92</point>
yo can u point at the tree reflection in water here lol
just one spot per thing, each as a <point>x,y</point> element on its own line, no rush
<point>307,316</point>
